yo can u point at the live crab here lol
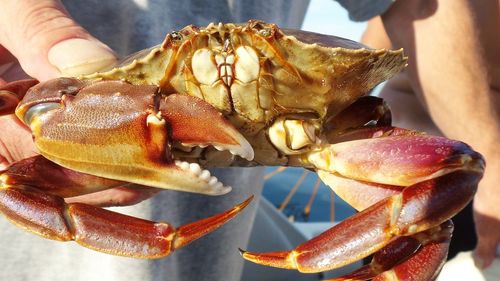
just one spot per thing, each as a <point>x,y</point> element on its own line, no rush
<point>240,95</point>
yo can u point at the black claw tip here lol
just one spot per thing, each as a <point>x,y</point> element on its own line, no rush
<point>242,252</point>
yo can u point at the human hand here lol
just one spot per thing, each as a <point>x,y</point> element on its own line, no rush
<point>487,213</point>
<point>38,38</point>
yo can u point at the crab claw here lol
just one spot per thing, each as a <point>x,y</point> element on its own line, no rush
<point>125,132</point>
<point>401,159</point>
<point>195,122</point>
<point>420,182</point>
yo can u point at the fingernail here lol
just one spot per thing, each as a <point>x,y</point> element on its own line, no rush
<point>78,56</point>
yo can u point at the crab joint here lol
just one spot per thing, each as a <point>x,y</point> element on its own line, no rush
<point>157,127</point>
<point>292,136</point>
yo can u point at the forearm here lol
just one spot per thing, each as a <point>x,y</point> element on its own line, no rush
<point>450,71</point>
<point>447,68</point>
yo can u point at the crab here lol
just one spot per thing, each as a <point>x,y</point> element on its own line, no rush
<point>240,95</point>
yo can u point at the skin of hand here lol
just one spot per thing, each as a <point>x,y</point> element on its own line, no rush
<point>38,38</point>
<point>452,71</point>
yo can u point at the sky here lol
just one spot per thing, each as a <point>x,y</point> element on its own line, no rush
<point>328,17</point>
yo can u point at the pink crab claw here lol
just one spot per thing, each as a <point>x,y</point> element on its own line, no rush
<point>126,132</point>
<point>403,183</point>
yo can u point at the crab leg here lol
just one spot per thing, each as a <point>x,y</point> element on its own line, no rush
<point>51,178</point>
<point>366,111</point>
<point>422,255</point>
<point>416,209</point>
<point>431,171</point>
<point>12,93</point>
<point>49,216</point>
<point>424,265</point>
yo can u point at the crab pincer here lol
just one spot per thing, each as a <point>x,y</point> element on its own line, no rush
<point>132,136</point>
<point>404,185</point>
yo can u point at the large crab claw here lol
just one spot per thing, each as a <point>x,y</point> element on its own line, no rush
<point>116,130</point>
<point>404,183</point>
<point>130,144</point>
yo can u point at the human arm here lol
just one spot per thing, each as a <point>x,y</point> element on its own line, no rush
<point>448,71</point>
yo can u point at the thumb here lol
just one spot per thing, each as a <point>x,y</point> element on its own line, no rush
<point>48,42</point>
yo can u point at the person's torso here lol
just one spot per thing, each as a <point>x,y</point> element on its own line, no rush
<point>129,26</point>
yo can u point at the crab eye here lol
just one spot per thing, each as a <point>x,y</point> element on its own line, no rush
<point>265,32</point>
<point>176,36</point>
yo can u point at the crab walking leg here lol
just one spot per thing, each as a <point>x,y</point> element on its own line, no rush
<point>371,132</point>
<point>440,176</point>
<point>51,178</point>
<point>385,259</point>
<point>365,111</point>
<point>418,208</point>
<point>424,265</point>
<point>99,229</point>
<point>417,257</point>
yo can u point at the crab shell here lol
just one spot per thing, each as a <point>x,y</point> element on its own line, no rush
<point>255,73</point>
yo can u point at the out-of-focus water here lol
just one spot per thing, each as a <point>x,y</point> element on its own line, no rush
<point>277,188</point>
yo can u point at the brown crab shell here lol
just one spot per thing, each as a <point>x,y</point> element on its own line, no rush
<point>306,71</point>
